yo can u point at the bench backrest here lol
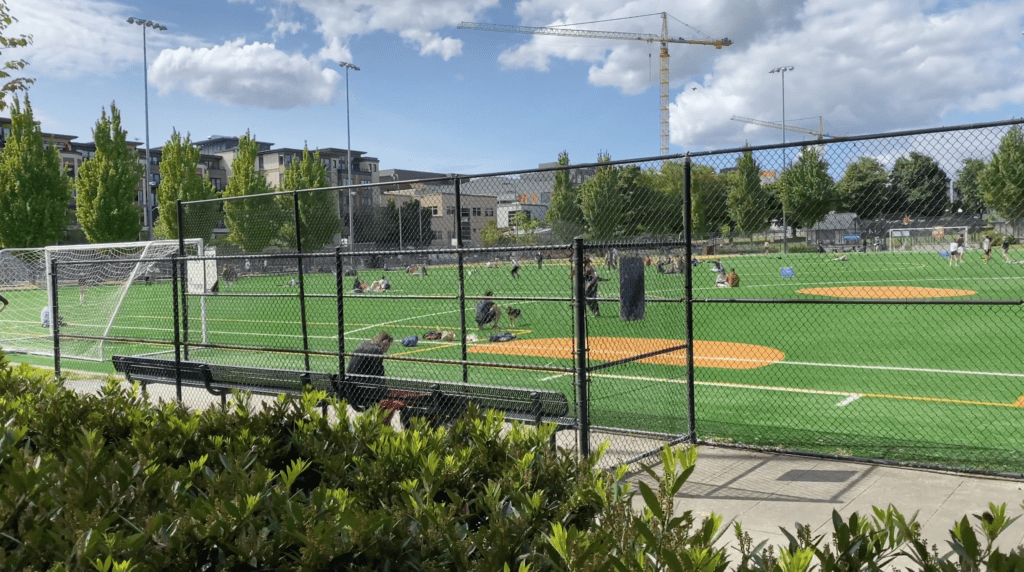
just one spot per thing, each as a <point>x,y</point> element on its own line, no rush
<point>259,380</point>
<point>155,370</point>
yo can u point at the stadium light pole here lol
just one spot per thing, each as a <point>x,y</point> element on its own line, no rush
<point>348,150</point>
<point>351,223</point>
<point>147,214</point>
<point>782,70</point>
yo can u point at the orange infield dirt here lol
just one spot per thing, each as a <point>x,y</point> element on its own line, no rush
<point>728,355</point>
<point>885,292</point>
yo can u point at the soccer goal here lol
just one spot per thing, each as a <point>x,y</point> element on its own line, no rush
<point>94,285</point>
<point>927,239</point>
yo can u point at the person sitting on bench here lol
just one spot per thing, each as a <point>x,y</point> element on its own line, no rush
<point>367,367</point>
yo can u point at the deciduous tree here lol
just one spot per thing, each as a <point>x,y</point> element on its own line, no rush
<point>318,211</point>
<point>10,84</point>
<point>180,180</point>
<point>34,191</point>
<point>968,186</point>
<point>923,182</point>
<point>564,213</point>
<point>253,222</point>
<point>807,190</point>
<point>1002,181</point>
<point>749,205</point>
<point>864,189</point>
<point>108,184</point>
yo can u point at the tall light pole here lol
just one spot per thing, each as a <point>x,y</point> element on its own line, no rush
<point>782,70</point>
<point>147,213</point>
<point>348,152</point>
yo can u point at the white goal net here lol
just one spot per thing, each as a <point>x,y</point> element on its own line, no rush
<point>110,298</point>
<point>927,239</point>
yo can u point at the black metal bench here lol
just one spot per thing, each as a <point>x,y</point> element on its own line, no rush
<point>438,401</point>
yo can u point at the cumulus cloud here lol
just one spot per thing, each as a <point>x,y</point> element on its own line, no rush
<point>881,66</point>
<point>71,38</point>
<point>254,74</point>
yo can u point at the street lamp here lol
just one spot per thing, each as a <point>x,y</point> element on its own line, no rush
<point>147,216</point>
<point>782,70</point>
<point>348,149</point>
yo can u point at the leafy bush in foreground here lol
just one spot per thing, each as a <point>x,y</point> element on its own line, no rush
<point>108,482</point>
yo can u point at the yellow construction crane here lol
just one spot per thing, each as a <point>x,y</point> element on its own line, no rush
<point>664,39</point>
<point>820,133</point>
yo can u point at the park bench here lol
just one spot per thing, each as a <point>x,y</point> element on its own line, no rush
<point>438,401</point>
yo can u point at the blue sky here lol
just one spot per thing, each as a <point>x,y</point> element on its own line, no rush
<point>433,97</point>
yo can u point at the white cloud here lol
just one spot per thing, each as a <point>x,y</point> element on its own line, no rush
<point>71,38</point>
<point>882,66</point>
<point>256,74</point>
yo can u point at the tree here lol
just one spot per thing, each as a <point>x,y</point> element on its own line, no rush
<point>525,227</point>
<point>180,180</point>
<point>318,211</point>
<point>968,186</point>
<point>709,201</point>
<point>807,190</point>
<point>602,203</point>
<point>923,182</point>
<point>864,189</point>
<point>34,191</point>
<point>749,205</point>
<point>491,235</point>
<point>253,222</point>
<point>108,184</point>
<point>564,213</point>
<point>11,85</point>
<point>1002,181</point>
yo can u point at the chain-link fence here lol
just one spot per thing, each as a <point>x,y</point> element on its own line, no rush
<point>856,297</point>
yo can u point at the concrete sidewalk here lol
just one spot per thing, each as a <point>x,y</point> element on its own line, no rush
<point>768,491</point>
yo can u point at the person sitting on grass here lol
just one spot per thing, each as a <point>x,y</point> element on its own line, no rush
<point>722,280</point>
<point>358,286</point>
<point>487,312</point>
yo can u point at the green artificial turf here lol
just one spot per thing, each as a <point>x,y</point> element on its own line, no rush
<point>922,383</point>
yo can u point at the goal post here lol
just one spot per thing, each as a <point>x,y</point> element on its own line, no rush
<point>92,290</point>
<point>924,239</point>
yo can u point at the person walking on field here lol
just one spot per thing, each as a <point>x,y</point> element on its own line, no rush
<point>590,280</point>
<point>986,245</point>
<point>540,260</point>
<point>960,248</point>
<point>515,268</point>
<point>1006,248</point>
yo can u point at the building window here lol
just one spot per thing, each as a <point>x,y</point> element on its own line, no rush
<point>437,235</point>
<point>216,183</point>
<point>476,211</point>
<point>434,211</point>
<point>489,212</point>
<point>451,211</point>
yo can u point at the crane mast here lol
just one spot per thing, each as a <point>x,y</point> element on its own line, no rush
<point>663,39</point>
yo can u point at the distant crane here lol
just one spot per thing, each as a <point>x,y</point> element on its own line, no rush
<point>820,133</point>
<point>663,39</point>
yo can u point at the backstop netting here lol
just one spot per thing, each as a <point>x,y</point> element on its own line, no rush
<point>930,239</point>
<point>97,290</point>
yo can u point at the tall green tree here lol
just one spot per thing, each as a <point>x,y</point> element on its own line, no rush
<point>807,190</point>
<point>11,85</point>
<point>525,227</point>
<point>34,191</point>
<point>709,201</point>
<point>255,221</point>
<point>318,211</point>
<point>968,186</point>
<point>564,213</point>
<point>1002,181</point>
<point>180,180</point>
<point>108,184</point>
<point>922,181</point>
<point>603,203</point>
<point>491,235</point>
<point>864,189</point>
<point>749,205</point>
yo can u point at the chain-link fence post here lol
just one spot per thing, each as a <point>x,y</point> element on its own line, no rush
<point>54,318</point>
<point>184,282</point>
<point>339,289</point>
<point>688,293</point>
<point>582,390</point>
<point>462,277</point>
<point>302,281</point>
<point>174,312</point>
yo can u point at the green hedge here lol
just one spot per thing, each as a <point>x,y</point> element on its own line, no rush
<point>108,482</point>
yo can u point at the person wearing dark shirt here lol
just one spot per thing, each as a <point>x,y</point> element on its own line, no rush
<point>590,280</point>
<point>367,367</point>
<point>357,287</point>
<point>487,312</point>
<point>4,302</point>
<point>540,260</point>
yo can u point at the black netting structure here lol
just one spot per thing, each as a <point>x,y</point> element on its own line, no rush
<point>845,297</point>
